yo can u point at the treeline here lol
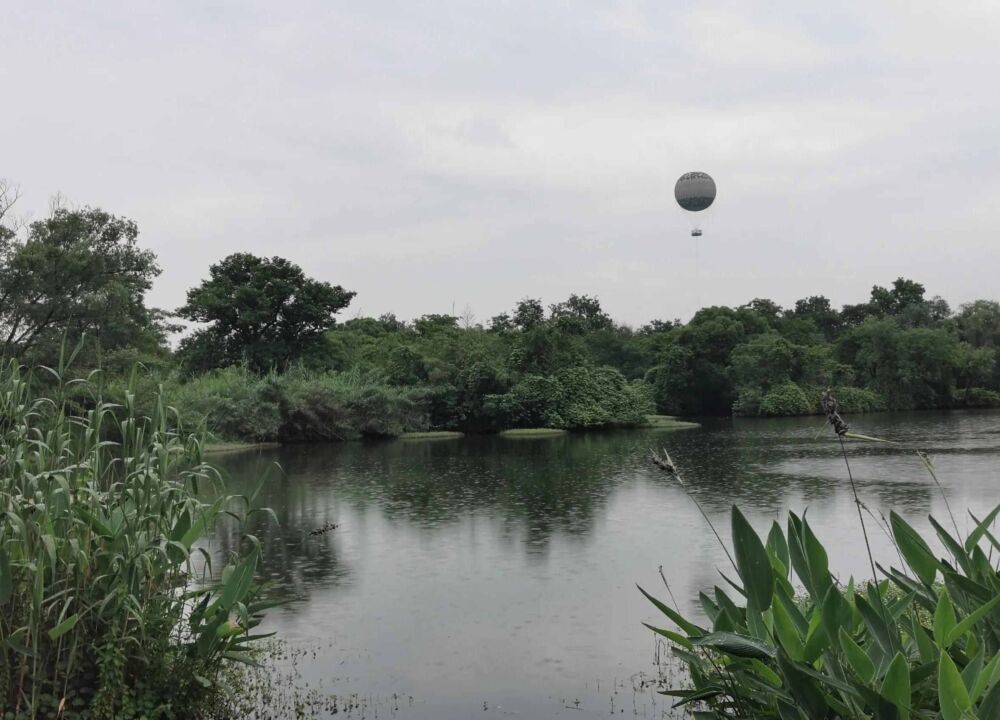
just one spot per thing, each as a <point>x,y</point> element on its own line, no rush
<point>267,359</point>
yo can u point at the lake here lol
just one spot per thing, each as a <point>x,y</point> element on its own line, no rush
<point>495,578</point>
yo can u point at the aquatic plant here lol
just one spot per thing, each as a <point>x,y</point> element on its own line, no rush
<point>102,518</point>
<point>921,640</point>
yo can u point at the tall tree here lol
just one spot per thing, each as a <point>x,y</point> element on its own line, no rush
<point>261,311</point>
<point>76,272</point>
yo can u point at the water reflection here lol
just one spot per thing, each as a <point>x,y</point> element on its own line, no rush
<point>501,572</point>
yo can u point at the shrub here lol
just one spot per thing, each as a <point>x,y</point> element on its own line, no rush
<point>857,400</point>
<point>978,398</point>
<point>236,403</point>
<point>98,607</point>
<point>748,403</point>
<point>785,399</point>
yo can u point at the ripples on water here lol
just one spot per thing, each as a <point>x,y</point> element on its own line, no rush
<point>495,577</point>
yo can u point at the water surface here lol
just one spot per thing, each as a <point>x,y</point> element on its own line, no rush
<point>490,577</point>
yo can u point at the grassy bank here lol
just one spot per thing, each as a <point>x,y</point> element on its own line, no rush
<point>667,422</point>
<point>532,432</point>
<point>432,435</point>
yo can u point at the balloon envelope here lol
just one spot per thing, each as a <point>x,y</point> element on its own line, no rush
<point>695,191</point>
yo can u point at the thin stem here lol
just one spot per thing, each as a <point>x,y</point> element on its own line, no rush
<point>857,502</point>
<point>667,464</point>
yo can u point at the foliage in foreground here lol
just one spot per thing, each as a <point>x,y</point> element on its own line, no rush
<point>100,518</point>
<point>922,643</point>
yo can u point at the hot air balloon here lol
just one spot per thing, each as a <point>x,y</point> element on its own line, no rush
<point>695,192</point>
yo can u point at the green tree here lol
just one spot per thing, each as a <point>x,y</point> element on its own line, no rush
<point>264,312</point>
<point>75,272</point>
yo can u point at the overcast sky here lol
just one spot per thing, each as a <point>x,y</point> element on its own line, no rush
<point>430,153</point>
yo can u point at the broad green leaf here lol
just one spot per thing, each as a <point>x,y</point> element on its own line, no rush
<point>856,657</point>
<point>688,627</point>
<point>987,677</point>
<point>788,634</point>
<point>819,564</point>
<point>752,562</point>
<point>703,694</point>
<point>915,551</point>
<point>956,550</point>
<point>735,644</point>
<point>990,706</point>
<point>968,621</point>
<point>777,546</point>
<point>877,623</point>
<point>944,619</point>
<point>807,695</point>
<point>952,695</point>
<point>896,685</point>
<point>981,527</point>
<point>671,635</point>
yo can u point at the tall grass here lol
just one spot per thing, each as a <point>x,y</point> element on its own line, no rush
<point>101,513</point>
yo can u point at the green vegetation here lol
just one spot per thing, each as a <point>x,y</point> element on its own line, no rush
<point>102,512</point>
<point>922,643</point>
<point>667,422</point>
<point>268,361</point>
<point>532,432</point>
<point>433,435</point>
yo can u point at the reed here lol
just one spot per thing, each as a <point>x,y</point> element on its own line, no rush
<point>107,607</point>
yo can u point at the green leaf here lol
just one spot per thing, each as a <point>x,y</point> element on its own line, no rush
<point>876,622</point>
<point>201,524</point>
<point>856,657</point>
<point>819,564</point>
<point>6,577</point>
<point>807,695</point>
<point>944,619</point>
<point>777,546</point>
<point>990,706</point>
<point>896,685</point>
<point>688,627</point>
<point>788,634</point>
<point>735,644</point>
<point>670,635</point>
<point>981,527</point>
<point>987,677</point>
<point>703,694</point>
<point>752,562</point>
<point>968,621</point>
<point>915,551</point>
<point>952,695</point>
<point>64,627</point>
<point>956,550</point>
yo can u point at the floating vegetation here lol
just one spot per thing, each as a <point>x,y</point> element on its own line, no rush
<point>432,435</point>
<point>532,432</point>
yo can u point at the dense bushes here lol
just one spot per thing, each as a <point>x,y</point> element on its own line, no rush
<point>574,399</point>
<point>99,615</point>
<point>978,398</point>
<point>785,399</point>
<point>300,405</point>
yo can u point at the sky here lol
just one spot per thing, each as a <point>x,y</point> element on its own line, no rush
<point>440,155</point>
